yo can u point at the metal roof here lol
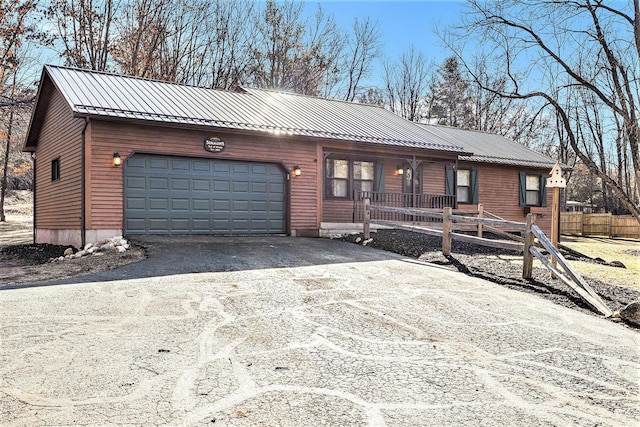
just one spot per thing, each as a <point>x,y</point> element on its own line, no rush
<point>91,93</point>
<point>490,148</point>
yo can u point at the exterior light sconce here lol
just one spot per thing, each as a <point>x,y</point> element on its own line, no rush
<point>399,170</point>
<point>117,160</point>
<point>297,171</point>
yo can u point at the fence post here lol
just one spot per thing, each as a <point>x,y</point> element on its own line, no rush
<point>527,261</point>
<point>367,218</point>
<point>446,231</point>
<point>480,215</point>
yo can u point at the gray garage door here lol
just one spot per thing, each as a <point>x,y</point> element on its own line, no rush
<point>180,195</point>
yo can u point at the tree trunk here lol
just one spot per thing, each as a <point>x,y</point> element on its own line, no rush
<point>5,169</point>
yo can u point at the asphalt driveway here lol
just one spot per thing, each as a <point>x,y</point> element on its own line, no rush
<point>285,331</point>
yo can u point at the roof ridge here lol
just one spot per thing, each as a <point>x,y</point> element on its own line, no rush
<point>466,130</point>
<point>302,95</point>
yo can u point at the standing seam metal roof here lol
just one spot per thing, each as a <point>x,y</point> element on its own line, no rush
<point>116,96</point>
<point>491,148</point>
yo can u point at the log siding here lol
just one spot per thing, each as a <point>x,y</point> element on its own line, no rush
<point>106,181</point>
<point>58,205</point>
<point>498,187</point>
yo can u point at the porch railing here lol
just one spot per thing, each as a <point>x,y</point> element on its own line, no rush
<point>399,200</point>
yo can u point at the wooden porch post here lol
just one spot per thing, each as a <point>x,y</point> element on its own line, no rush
<point>367,218</point>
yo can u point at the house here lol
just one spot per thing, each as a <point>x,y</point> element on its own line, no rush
<point>507,178</point>
<point>575,206</point>
<point>121,155</point>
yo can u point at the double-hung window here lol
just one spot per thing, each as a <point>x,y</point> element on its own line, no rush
<point>533,189</point>
<point>464,182</point>
<point>337,178</point>
<point>464,186</point>
<point>343,177</point>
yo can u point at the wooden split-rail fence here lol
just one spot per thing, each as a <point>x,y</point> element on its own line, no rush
<point>447,224</point>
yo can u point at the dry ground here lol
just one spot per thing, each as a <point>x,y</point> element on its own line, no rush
<point>17,230</point>
<point>627,251</point>
<point>21,262</point>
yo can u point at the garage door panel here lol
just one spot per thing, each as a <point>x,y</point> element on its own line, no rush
<point>200,205</point>
<point>240,206</point>
<point>240,168</point>
<point>158,204</point>
<point>200,185</point>
<point>221,186</point>
<point>258,206</point>
<point>136,162</point>
<point>222,167</point>
<point>221,205</point>
<point>179,165</point>
<point>240,187</point>
<point>136,225</point>
<point>180,225</point>
<point>180,204</point>
<point>136,203</point>
<point>185,195</point>
<point>158,225</point>
<point>134,183</point>
<point>221,225</point>
<point>158,184</point>
<point>201,165</point>
<point>179,184</point>
<point>158,163</point>
<point>259,169</point>
<point>259,187</point>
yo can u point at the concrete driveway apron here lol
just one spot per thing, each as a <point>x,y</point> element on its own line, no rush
<point>305,332</point>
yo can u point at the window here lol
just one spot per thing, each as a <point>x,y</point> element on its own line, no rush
<point>55,169</point>
<point>343,177</point>
<point>362,176</point>
<point>337,173</point>
<point>464,186</point>
<point>463,183</point>
<point>533,189</point>
<point>412,182</point>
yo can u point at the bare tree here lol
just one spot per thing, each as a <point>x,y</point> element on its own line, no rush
<point>228,49</point>
<point>363,47</point>
<point>292,53</point>
<point>405,84</point>
<point>17,27</point>
<point>591,44</point>
<point>84,30</point>
<point>141,26</point>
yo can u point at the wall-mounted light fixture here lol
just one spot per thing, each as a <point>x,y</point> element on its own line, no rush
<point>117,160</point>
<point>297,171</point>
<point>399,170</point>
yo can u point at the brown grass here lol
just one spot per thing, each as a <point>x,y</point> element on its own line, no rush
<point>627,251</point>
<point>18,227</point>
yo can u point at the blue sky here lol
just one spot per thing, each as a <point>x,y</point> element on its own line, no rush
<point>402,23</point>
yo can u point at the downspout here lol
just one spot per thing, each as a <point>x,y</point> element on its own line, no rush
<point>33,157</point>
<point>455,185</point>
<point>83,187</point>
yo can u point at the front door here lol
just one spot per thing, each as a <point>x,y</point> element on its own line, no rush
<point>412,186</point>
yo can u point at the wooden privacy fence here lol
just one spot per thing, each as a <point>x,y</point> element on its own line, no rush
<point>604,224</point>
<point>454,220</point>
